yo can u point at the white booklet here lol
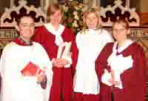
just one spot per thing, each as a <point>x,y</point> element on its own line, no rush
<point>64,50</point>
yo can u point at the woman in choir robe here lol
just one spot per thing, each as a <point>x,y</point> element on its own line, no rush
<point>88,45</point>
<point>121,67</point>
<point>52,36</point>
<point>24,65</point>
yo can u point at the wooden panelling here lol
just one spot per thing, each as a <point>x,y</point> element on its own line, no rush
<point>144,18</point>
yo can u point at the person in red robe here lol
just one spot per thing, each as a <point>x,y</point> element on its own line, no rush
<point>87,47</point>
<point>121,67</point>
<point>53,35</point>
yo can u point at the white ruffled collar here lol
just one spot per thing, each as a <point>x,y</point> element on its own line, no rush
<point>55,32</point>
<point>51,29</point>
<point>122,48</point>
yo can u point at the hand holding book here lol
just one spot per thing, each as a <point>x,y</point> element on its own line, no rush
<point>59,62</point>
<point>31,69</point>
<point>64,50</point>
<point>63,55</point>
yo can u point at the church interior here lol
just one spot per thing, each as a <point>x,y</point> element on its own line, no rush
<point>134,11</point>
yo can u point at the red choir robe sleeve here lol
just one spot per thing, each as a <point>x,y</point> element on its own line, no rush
<point>38,37</point>
<point>68,35</point>
<point>101,61</point>
<point>134,79</point>
<point>47,40</point>
<point>74,57</point>
<point>101,64</point>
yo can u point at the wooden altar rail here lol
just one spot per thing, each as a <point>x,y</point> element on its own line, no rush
<point>144,18</point>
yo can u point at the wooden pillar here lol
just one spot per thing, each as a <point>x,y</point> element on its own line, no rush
<point>4,4</point>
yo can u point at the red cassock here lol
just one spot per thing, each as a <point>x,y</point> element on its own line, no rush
<point>62,77</point>
<point>133,79</point>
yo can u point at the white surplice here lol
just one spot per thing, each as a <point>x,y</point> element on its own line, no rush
<point>15,86</point>
<point>89,43</point>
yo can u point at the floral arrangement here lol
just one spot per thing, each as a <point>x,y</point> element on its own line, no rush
<point>73,14</point>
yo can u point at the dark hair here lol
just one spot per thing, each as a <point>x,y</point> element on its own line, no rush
<point>22,16</point>
<point>124,23</point>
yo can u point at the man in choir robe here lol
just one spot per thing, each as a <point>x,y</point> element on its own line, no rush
<point>52,35</point>
<point>121,67</point>
<point>22,53</point>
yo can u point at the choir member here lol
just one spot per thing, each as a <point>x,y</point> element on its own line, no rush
<point>52,36</point>
<point>20,63</point>
<point>88,45</point>
<point>121,67</point>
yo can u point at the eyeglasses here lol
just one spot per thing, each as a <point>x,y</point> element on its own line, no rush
<point>119,30</point>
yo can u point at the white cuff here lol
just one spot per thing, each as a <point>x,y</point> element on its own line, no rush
<point>69,62</point>
<point>105,78</point>
<point>117,78</point>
